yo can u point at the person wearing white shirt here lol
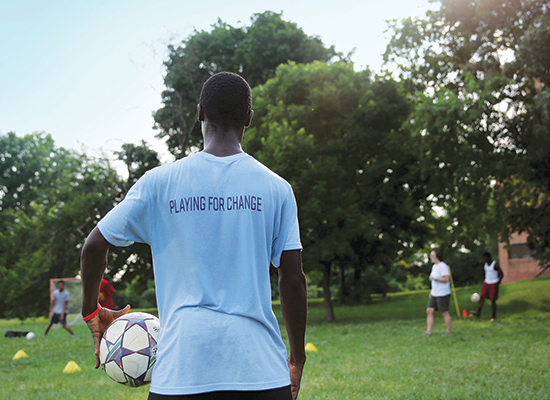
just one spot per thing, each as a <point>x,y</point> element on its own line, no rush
<point>59,308</point>
<point>440,294</point>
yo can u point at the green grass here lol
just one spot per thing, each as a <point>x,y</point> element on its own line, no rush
<point>371,352</point>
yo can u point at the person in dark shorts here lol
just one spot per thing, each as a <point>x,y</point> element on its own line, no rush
<point>59,308</point>
<point>440,294</point>
<point>215,221</point>
<point>489,290</point>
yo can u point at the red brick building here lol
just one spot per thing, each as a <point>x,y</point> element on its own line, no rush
<point>515,260</point>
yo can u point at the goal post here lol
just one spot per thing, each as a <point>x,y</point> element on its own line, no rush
<point>74,287</point>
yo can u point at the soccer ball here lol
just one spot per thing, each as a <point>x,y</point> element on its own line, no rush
<point>474,298</point>
<point>128,349</point>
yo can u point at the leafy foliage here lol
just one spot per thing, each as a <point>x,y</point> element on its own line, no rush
<point>53,198</point>
<point>479,74</point>
<point>453,152</point>
<point>335,135</point>
<point>138,160</point>
<point>254,52</point>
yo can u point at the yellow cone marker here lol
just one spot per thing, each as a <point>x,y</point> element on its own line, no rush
<point>310,347</point>
<point>19,354</point>
<point>71,367</point>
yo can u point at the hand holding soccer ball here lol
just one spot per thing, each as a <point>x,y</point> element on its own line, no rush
<point>99,324</point>
<point>128,349</point>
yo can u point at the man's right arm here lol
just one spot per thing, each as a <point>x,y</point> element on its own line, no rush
<point>92,265</point>
<point>293,292</point>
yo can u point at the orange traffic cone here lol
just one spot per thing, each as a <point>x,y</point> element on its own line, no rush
<point>464,313</point>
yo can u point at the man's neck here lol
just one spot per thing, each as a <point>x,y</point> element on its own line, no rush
<point>222,143</point>
<point>221,150</point>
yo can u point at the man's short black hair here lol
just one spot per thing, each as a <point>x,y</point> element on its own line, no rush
<point>487,254</point>
<point>226,100</point>
<point>439,254</point>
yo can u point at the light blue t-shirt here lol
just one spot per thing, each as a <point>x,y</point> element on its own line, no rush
<point>214,225</point>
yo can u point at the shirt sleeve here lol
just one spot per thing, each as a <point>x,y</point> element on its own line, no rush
<point>288,236</point>
<point>444,270</point>
<point>129,221</point>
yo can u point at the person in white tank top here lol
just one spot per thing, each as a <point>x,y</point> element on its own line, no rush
<point>489,290</point>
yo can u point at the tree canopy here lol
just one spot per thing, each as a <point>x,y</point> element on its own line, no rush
<point>479,74</point>
<point>335,135</point>
<point>51,199</point>
<point>253,52</point>
<point>451,150</point>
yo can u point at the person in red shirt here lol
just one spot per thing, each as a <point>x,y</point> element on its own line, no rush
<point>106,294</point>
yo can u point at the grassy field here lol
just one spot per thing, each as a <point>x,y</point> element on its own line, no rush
<point>372,352</point>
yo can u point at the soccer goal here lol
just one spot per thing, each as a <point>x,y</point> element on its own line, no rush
<point>74,287</point>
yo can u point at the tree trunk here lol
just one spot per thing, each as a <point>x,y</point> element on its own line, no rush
<point>345,291</point>
<point>329,310</point>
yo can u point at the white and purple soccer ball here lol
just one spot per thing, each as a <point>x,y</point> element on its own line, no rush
<point>128,349</point>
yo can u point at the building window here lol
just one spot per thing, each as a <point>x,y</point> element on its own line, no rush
<point>520,250</point>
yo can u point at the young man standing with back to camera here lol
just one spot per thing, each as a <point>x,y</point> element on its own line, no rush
<point>215,220</point>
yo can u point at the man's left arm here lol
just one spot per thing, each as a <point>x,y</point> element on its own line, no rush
<point>500,273</point>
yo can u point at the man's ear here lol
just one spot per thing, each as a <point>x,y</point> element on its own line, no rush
<point>248,119</point>
<point>200,113</point>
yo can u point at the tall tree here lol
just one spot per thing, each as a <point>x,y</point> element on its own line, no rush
<point>26,168</point>
<point>50,199</point>
<point>254,52</point>
<point>59,196</point>
<point>335,135</point>
<point>479,73</point>
<point>138,158</point>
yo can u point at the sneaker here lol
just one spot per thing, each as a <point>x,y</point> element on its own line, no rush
<point>426,334</point>
<point>476,314</point>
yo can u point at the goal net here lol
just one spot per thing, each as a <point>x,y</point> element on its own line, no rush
<point>74,287</point>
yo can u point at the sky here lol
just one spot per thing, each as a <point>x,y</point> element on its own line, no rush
<point>90,73</point>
